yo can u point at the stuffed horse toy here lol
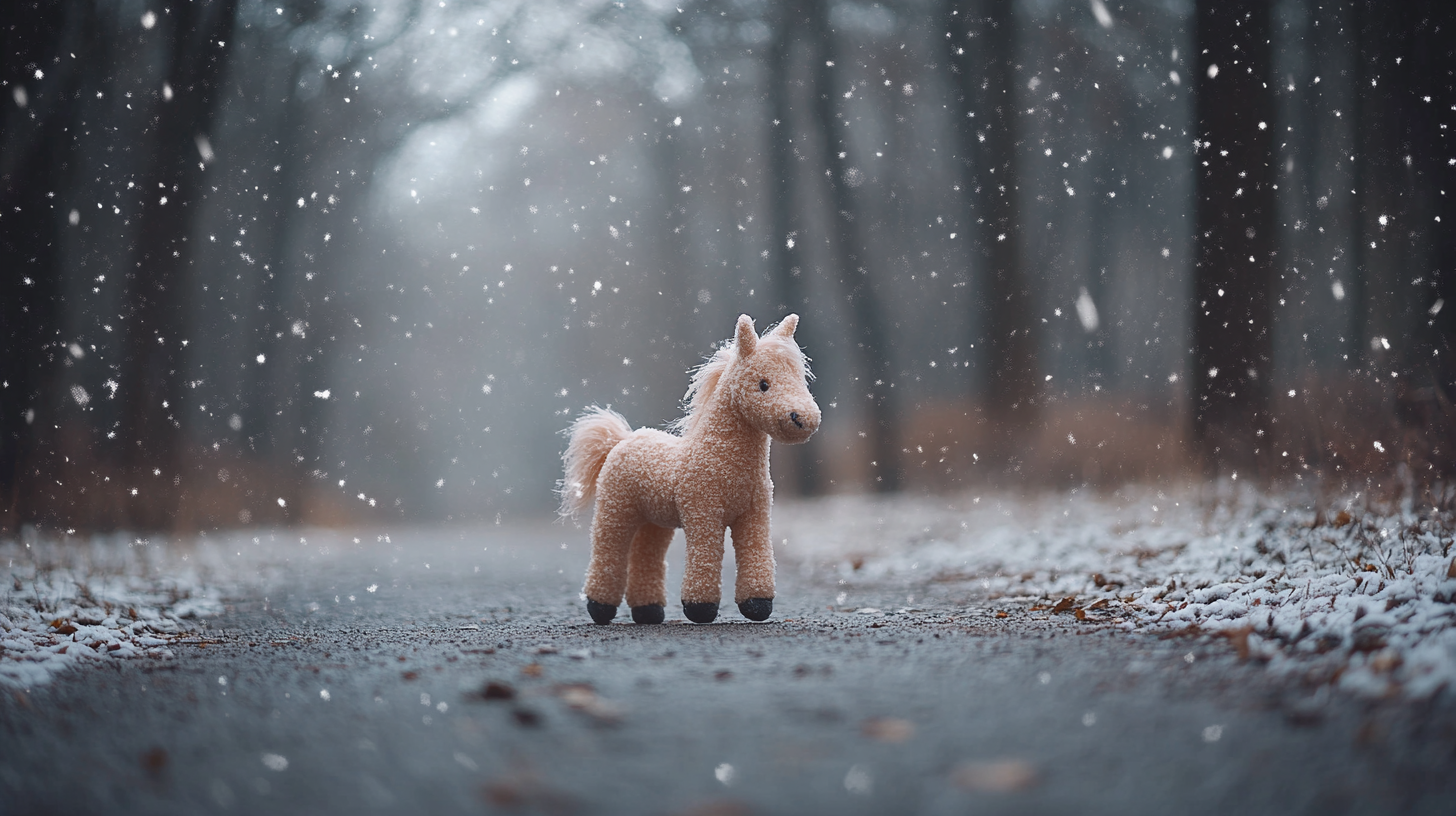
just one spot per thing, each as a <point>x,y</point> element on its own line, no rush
<point>710,476</point>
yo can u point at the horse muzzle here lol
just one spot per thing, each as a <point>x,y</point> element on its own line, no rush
<point>798,426</point>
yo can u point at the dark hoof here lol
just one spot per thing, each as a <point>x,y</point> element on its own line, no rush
<point>647,613</point>
<point>701,612</point>
<point>600,612</point>
<point>756,609</point>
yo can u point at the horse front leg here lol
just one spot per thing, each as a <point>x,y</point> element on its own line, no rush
<point>753,552</point>
<point>703,577</point>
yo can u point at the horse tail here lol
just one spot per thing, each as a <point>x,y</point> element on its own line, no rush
<point>591,437</point>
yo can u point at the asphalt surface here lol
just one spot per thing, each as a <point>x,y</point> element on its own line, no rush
<point>471,680</point>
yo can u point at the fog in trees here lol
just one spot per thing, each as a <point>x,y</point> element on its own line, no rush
<point>315,261</point>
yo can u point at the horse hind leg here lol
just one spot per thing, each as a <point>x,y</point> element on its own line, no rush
<point>606,575</point>
<point>647,573</point>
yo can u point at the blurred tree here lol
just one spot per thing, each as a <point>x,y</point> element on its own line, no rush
<point>1403,182</point>
<point>868,332</point>
<point>1234,246</point>
<point>786,202</point>
<point>175,148</point>
<point>983,51</point>
<point>39,150</point>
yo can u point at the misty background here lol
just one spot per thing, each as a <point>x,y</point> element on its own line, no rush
<point>333,262</point>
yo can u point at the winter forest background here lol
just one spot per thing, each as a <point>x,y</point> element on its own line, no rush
<point>331,262</point>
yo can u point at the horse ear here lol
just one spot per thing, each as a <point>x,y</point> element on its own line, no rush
<point>747,340</point>
<point>786,328</point>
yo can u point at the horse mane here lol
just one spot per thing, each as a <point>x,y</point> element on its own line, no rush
<point>705,377</point>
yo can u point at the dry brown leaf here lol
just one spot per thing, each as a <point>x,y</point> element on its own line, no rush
<point>1097,604</point>
<point>888,729</point>
<point>1342,518</point>
<point>1064,604</point>
<point>1386,661</point>
<point>155,760</point>
<point>1079,614</point>
<point>1000,614</point>
<point>1240,640</point>
<point>531,670</point>
<point>495,690</point>
<point>582,697</point>
<point>720,807</point>
<point>1001,776</point>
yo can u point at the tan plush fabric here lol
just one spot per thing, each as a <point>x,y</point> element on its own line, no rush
<point>713,476</point>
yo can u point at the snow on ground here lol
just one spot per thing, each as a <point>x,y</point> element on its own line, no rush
<point>1356,593</point>
<point>1351,593</point>
<point>68,605</point>
<point>76,602</point>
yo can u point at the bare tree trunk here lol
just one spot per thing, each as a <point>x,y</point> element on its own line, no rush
<point>1406,72</point>
<point>1234,233</point>
<point>785,224</point>
<point>153,368</point>
<point>38,158</point>
<point>1439,69</point>
<point>868,332</point>
<point>983,48</point>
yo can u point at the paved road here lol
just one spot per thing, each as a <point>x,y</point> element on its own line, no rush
<point>315,695</point>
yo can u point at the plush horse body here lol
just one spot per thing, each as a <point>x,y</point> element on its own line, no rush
<point>710,476</point>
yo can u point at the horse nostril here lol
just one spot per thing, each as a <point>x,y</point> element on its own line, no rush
<point>794,415</point>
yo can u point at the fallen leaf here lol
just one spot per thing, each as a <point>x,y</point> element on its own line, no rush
<point>497,691</point>
<point>719,807</point>
<point>1386,661</point>
<point>1079,614</point>
<point>531,670</point>
<point>1240,640</point>
<point>526,718</point>
<point>1002,615</point>
<point>506,795</point>
<point>722,674</point>
<point>1342,518</point>
<point>1064,604</point>
<point>155,760</point>
<point>1097,604</point>
<point>1002,776</point>
<point>582,697</point>
<point>888,729</point>
<point>523,789</point>
<point>410,675</point>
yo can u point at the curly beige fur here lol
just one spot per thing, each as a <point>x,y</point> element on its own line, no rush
<point>712,477</point>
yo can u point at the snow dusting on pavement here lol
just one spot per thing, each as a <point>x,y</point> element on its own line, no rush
<point>80,604</point>
<point>1347,593</point>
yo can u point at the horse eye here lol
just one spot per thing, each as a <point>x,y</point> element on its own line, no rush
<point>763,385</point>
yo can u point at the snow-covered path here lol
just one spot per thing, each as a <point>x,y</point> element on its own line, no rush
<point>1341,592</point>
<point>70,605</point>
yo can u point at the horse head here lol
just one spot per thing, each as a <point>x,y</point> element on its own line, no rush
<point>768,382</point>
